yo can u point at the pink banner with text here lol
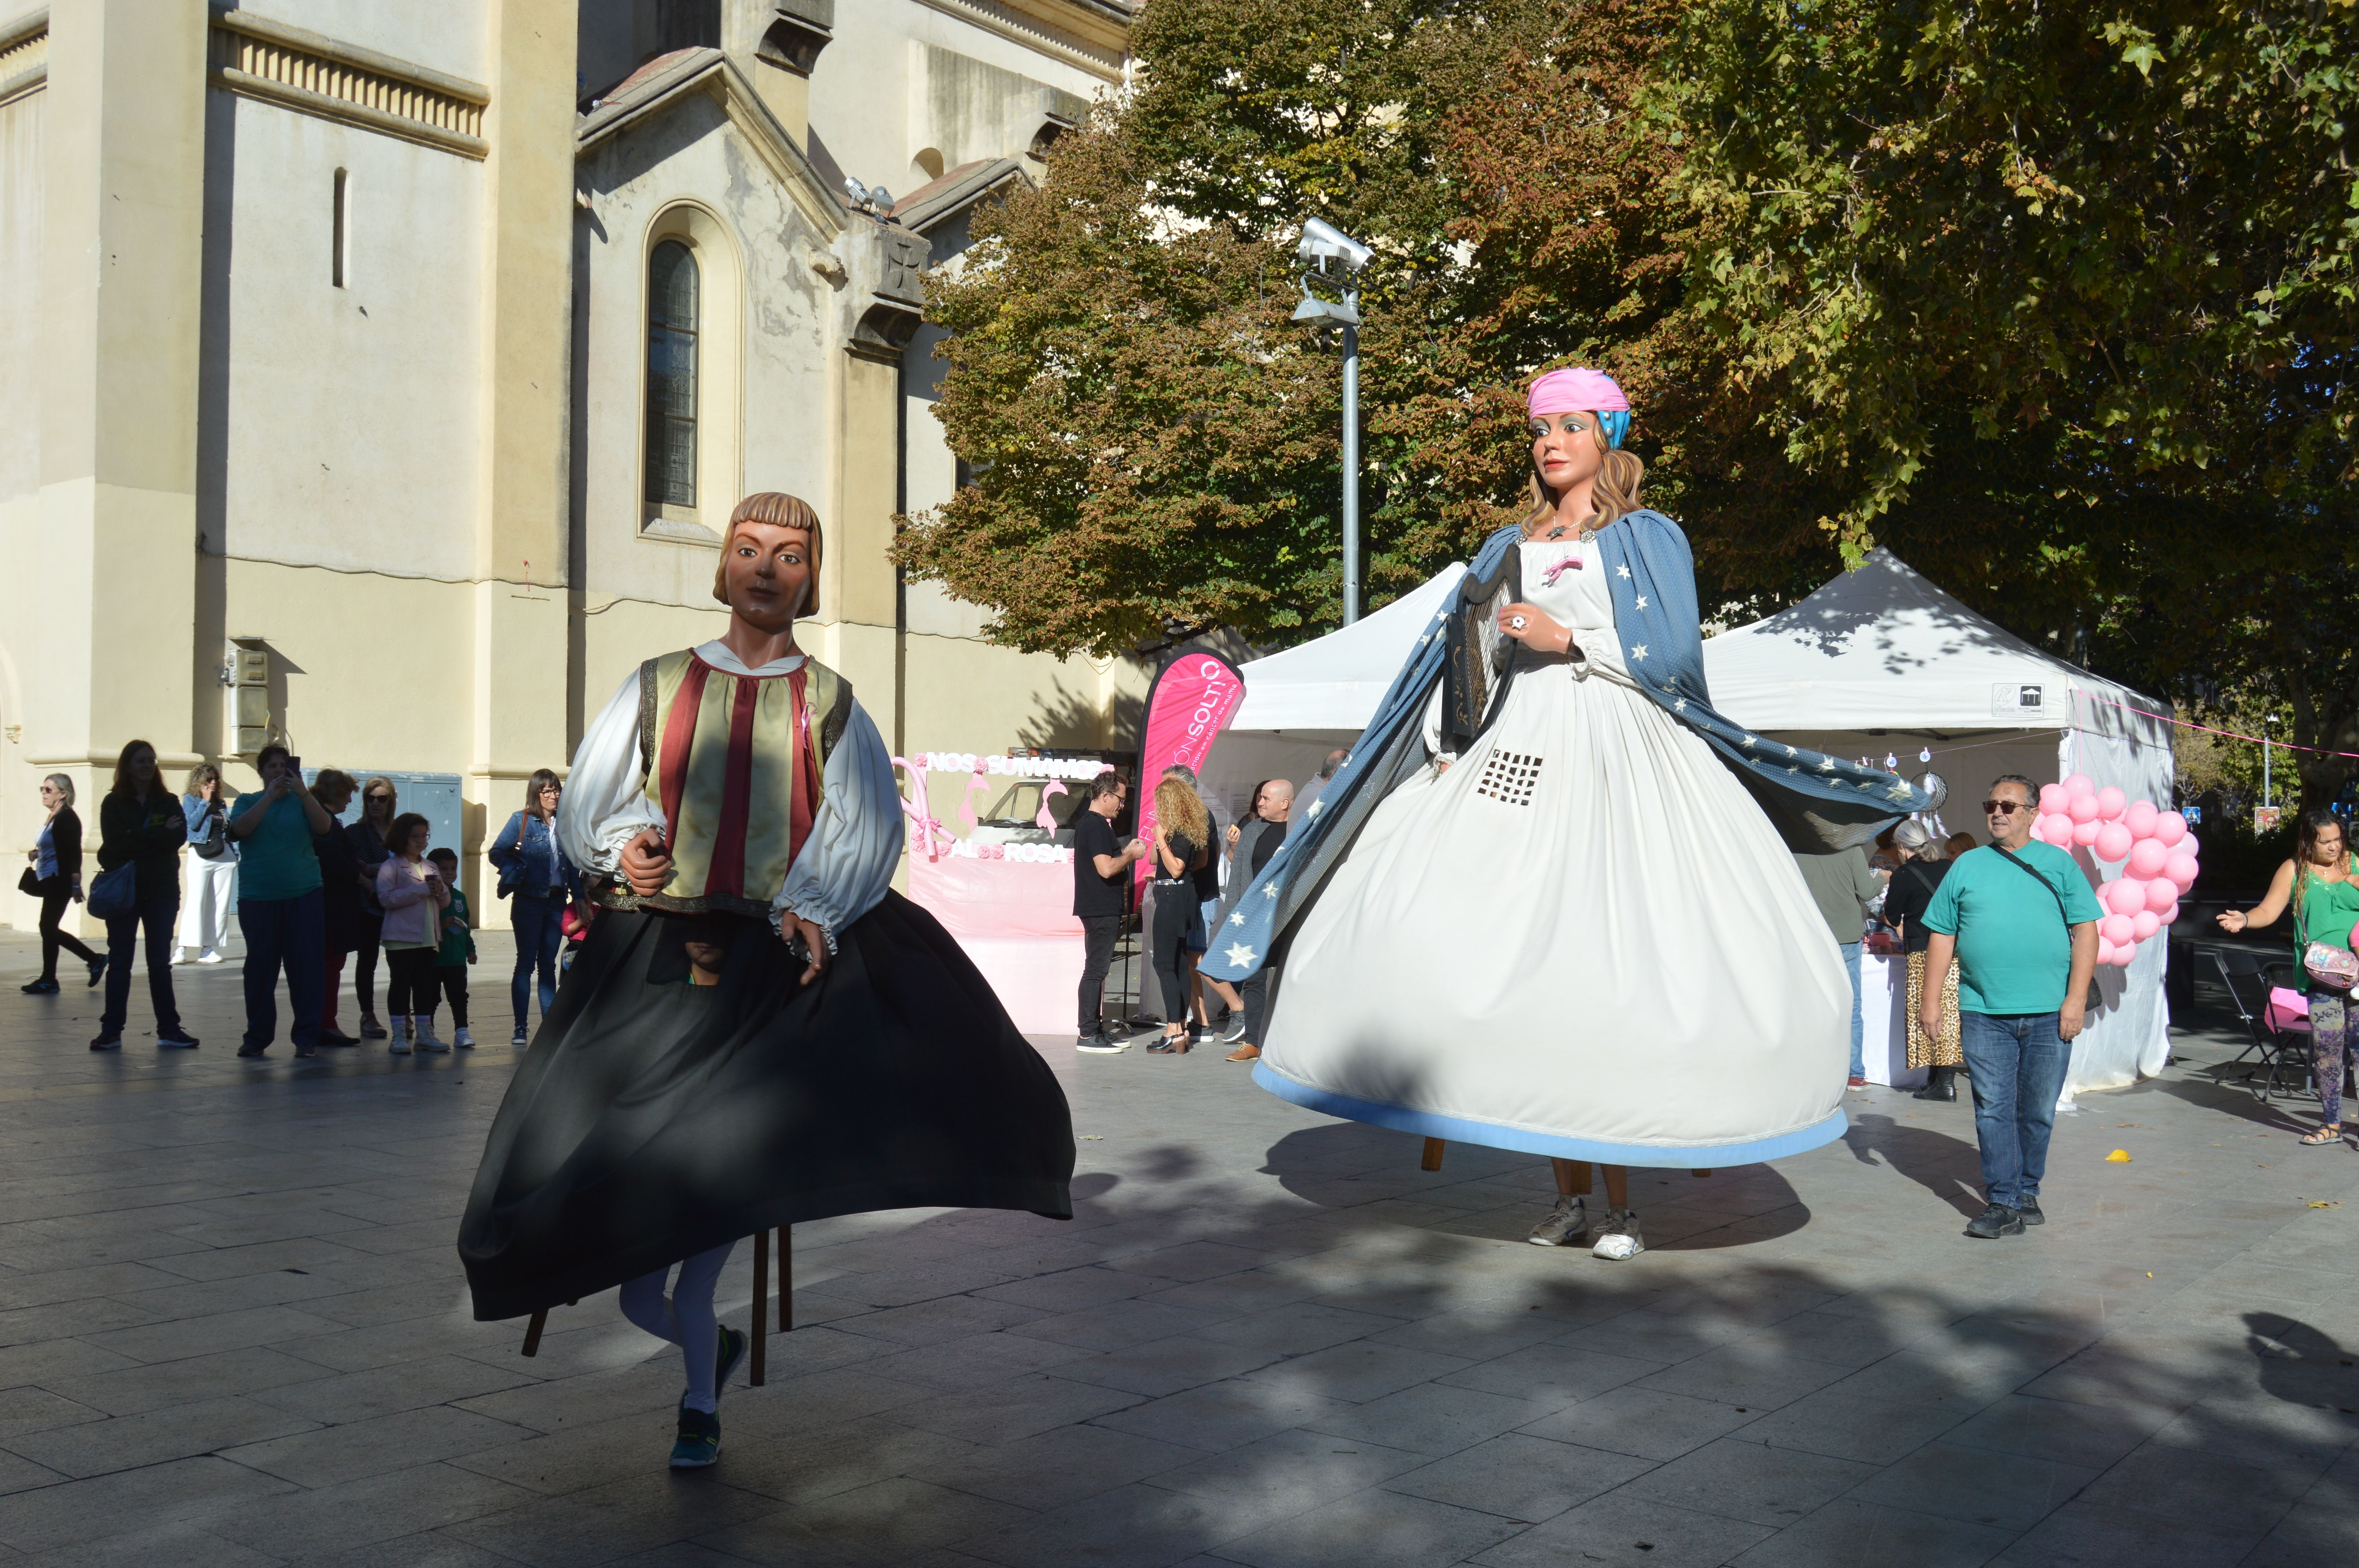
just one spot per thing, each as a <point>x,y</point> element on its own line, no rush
<point>1190,704</point>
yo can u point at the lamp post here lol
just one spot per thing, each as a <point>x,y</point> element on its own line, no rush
<point>2268,722</point>
<point>1320,244</point>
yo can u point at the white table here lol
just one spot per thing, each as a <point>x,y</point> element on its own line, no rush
<point>1884,1025</point>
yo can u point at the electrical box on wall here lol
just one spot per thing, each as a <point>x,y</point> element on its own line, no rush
<point>246,675</point>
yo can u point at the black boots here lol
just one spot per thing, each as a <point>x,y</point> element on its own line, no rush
<point>1942,1085</point>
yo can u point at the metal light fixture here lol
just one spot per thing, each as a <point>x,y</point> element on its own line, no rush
<point>1321,244</point>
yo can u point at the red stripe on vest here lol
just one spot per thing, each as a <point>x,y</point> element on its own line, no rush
<point>805,806</point>
<point>727,874</point>
<point>679,730</point>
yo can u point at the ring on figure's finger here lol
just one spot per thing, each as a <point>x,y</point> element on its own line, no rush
<point>1515,623</point>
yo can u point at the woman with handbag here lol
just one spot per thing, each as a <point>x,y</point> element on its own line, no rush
<point>1915,879</point>
<point>55,878</point>
<point>537,881</point>
<point>208,875</point>
<point>2322,884</point>
<point>140,831</point>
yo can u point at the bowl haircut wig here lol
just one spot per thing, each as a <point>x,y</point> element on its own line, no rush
<point>779,510</point>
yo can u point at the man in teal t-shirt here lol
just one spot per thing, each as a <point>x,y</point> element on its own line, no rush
<point>2020,920</point>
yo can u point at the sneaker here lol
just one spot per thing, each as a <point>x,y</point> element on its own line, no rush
<point>1234,1029</point>
<point>699,1443</point>
<point>1244,1053</point>
<point>1856,1083</point>
<point>519,1039</point>
<point>251,1052</point>
<point>1994,1222</point>
<point>97,969</point>
<point>176,1040</point>
<point>209,956</point>
<point>422,1034</point>
<point>398,1044</point>
<point>461,1039</point>
<point>1619,1239</point>
<point>2028,1212</point>
<point>370,1028</point>
<point>725,1357</point>
<point>107,1043</point>
<point>179,956</point>
<point>41,988</point>
<point>1567,1225</point>
<point>1100,1045</point>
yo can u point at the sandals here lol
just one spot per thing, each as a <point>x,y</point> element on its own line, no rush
<point>1171,1045</point>
<point>2322,1137</point>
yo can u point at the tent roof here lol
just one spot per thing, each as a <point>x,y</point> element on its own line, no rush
<point>1881,647</point>
<point>1336,681</point>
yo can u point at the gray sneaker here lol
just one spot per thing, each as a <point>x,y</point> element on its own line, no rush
<point>1099,1045</point>
<point>1567,1225</point>
<point>2028,1212</point>
<point>1619,1238</point>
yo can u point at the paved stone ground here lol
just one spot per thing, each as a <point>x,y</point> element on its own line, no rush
<point>233,1331</point>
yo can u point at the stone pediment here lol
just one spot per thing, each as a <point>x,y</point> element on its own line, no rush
<point>664,82</point>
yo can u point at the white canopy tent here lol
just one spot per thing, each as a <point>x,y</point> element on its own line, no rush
<point>1302,703</point>
<point>1881,662</point>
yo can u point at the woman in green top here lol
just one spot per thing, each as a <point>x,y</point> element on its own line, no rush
<point>2325,899</point>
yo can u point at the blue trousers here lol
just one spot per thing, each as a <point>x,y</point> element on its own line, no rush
<point>539,933</point>
<point>2017,1062</point>
<point>289,934</point>
<point>1858,1023</point>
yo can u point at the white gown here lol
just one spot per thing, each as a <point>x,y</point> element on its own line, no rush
<point>1582,939</point>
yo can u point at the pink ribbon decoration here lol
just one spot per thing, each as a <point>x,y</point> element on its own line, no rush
<point>1047,823</point>
<point>966,796</point>
<point>921,822</point>
<point>1570,564</point>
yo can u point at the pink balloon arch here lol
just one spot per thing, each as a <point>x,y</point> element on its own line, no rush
<point>2150,843</point>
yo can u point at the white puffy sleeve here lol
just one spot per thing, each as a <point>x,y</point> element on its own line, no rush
<point>605,803</point>
<point>1434,727</point>
<point>847,863</point>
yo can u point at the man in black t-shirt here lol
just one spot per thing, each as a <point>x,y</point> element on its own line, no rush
<point>1100,886</point>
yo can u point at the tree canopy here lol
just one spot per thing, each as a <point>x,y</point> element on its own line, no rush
<point>2057,301</point>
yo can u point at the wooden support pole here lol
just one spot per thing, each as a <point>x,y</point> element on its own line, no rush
<point>760,1368</point>
<point>532,1332</point>
<point>1433,1160</point>
<point>785,1279</point>
<point>1700,1175</point>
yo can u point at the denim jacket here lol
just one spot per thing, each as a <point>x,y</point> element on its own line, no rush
<point>540,869</point>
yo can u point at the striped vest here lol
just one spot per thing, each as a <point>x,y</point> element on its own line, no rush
<point>735,765</point>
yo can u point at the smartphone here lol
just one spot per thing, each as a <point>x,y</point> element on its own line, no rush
<point>295,768</point>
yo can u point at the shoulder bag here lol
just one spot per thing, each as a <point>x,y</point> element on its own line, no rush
<point>2095,998</point>
<point>114,893</point>
<point>2330,967</point>
<point>215,843</point>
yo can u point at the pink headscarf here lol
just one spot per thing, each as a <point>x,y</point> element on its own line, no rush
<point>1577,390</point>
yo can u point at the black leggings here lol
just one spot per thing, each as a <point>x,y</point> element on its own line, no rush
<point>364,954</point>
<point>53,909</point>
<point>1175,903</point>
<point>410,981</point>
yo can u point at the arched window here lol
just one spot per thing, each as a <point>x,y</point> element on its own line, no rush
<point>671,375</point>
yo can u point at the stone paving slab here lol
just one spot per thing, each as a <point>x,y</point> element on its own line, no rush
<point>234,1330</point>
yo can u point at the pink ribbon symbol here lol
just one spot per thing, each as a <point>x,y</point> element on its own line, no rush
<point>922,823</point>
<point>966,796</point>
<point>1047,823</point>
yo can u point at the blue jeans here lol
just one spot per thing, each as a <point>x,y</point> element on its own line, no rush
<point>1858,1023</point>
<point>539,933</point>
<point>289,934</point>
<point>2017,1062</point>
<point>158,916</point>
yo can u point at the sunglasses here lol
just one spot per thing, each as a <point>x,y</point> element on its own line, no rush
<point>2005,808</point>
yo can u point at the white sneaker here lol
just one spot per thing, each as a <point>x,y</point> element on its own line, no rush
<point>1100,1045</point>
<point>396,1035</point>
<point>1567,1224</point>
<point>422,1034</point>
<point>179,956</point>
<point>210,956</point>
<point>462,1039</point>
<point>1620,1237</point>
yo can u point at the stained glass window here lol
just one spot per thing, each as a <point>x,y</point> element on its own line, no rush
<point>671,375</point>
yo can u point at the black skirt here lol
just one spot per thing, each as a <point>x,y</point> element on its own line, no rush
<point>652,1119</point>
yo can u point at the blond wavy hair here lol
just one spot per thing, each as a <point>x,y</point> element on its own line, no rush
<point>1181,810</point>
<point>1619,475</point>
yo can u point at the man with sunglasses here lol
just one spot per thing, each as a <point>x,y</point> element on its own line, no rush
<point>2021,921</point>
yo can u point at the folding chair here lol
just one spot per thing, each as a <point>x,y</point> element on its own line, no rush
<point>2281,1045</point>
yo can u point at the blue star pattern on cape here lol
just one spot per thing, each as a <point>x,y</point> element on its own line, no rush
<point>1818,802</point>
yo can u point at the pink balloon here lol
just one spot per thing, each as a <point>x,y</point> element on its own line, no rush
<point>2145,923</point>
<point>2112,842</point>
<point>2191,845</point>
<point>2082,808</point>
<point>2054,828</point>
<point>2161,894</point>
<point>2124,955</point>
<point>2171,915</point>
<point>2124,895</point>
<point>2117,929</point>
<point>2053,798</point>
<point>2085,833</point>
<point>2080,783</point>
<point>2140,819</point>
<point>2111,803</point>
<point>2147,857</point>
<point>2105,951</point>
<point>2182,870</point>
<point>2170,827</point>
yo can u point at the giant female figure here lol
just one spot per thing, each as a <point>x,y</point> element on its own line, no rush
<point>1549,904</point>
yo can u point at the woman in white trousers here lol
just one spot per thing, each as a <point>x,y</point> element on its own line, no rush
<point>208,887</point>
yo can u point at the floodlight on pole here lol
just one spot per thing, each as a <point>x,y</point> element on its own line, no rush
<point>1322,244</point>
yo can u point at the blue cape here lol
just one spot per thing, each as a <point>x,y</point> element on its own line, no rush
<point>1818,802</point>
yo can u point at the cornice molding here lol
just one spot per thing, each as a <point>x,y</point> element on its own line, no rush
<point>711,73</point>
<point>23,55</point>
<point>1091,35</point>
<point>257,57</point>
